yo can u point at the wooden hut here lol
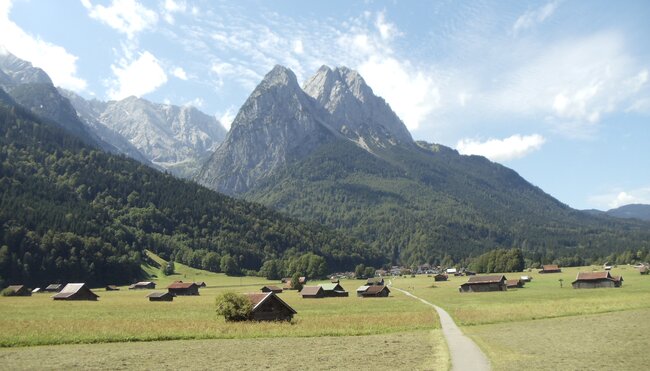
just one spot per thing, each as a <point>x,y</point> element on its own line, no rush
<point>550,268</point>
<point>201,284</point>
<point>271,288</point>
<point>484,283</point>
<point>643,270</point>
<point>54,287</point>
<point>362,289</point>
<point>333,290</point>
<point>75,291</point>
<point>144,285</point>
<point>17,290</point>
<point>379,281</point>
<point>112,288</point>
<point>514,284</point>
<point>161,296</point>
<point>376,291</point>
<point>593,280</point>
<point>269,307</point>
<point>180,288</point>
<point>440,277</point>
<point>312,292</point>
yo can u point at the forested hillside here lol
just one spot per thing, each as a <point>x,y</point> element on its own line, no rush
<point>70,212</point>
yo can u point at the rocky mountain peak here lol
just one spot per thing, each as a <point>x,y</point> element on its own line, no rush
<point>20,71</point>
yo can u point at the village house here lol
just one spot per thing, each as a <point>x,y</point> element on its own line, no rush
<point>333,290</point>
<point>550,268</point>
<point>54,287</point>
<point>375,291</point>
<point>592,280</point>
<point>273,289</point>
<point>514,284</point>
<point>312,292</point>
<point>144,285</point>
<point>269,307</point>
<point>17,290</point>
<point>484,284</point>
<point>161,296</point>
<point>180,288</point>
<point>76,291</point>
<point>440,277</point>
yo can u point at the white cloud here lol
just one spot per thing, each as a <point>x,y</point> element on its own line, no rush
<point>170,7</point>
<point>126,16</point>
<point>196,102</point>
<point>180,73</point>
<point>619,197</point>
<point>298,47</point>
<point>532,18</point>
<point>387,30</point>
<point>510,148</point>
<point>57,62</point>
<point>226,118</point>
<point>137,77</point>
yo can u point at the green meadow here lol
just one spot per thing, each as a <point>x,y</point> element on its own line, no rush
<point>517,329</point>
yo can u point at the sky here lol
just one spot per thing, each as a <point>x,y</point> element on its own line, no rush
<point>557,90</point>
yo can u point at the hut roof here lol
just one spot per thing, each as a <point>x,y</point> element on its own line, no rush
<point>311,290</point>
<point>550,267</point>
<point>257,299</point>
<point>54,286</point>
<point>593,276</point>
<point>331,287</point>
<point>375,289</point>
<point>363,288</point>
<point>643,269</point>
<point>158,294</point>
<point>15,288</point>
<point>272,288</point>
<point>486,279</point>
<point>181,285</point>
<point>73,288</point>
<point>512,283</point>
<point>200,284</point>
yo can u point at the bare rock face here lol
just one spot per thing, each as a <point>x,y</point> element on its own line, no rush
<point>277,124</point>
<point>19,71</point>
<point>356,112</point>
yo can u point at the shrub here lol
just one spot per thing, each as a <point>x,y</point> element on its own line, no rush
<point>7,292</point>
<point>295,281</point>
<point>234,307</point>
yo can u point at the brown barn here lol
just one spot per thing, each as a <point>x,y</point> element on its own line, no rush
<point>484,284</point>
<point>54,287</point>
<point>593,280</point>
<point>440,277</point>
<point>143,286</point>
<point>550,268</point>
<point>18,290</point>
<point>379,281</point>
<point>179,288</point>
<point>161,296</point>
<point>112,288</point>
<point>312,292</point>
<point>514,284</point>
<point>376,291</point>
<point>273,289</point>
<point>333,290</point>
<point>75,291</point>
<point>269,307</point>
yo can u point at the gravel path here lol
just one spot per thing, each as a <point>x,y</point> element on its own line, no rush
<point>465,354</point>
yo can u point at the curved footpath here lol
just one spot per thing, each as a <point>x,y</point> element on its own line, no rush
<point>465,354</point>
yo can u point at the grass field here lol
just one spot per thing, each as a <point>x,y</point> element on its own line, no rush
<point>126,315</point>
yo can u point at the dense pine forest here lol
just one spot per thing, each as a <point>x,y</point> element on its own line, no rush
<point>71,212</point>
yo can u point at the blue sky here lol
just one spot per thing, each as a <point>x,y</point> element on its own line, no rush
<point>557,90</point>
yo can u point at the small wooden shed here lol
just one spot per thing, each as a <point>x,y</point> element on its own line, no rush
<point>112,288</point>
<point>269,307</point>
<point>594,280</point>
<point>180,288</point>
<point>514,284</point>
<point>76,291</point>
<point>271,288</point>
<point>144,285</point>
<point>376,291</point>
<point>379,281</point>
<point>161,296</point>
<point>312,292</point>
<point>550,268</point>
<point>333,290</point>
<point>643,270</point>
<point>484,284</point>
<point>54,287</point>
<point>17,290</point>
<point>440,277</point>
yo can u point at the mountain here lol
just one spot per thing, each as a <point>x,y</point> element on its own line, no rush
<point>71,212</point>
<point>32,88</point>
<point>278,124</point>
<point>638,211</point>
<point>361,173</point>
<point>177,139</point>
